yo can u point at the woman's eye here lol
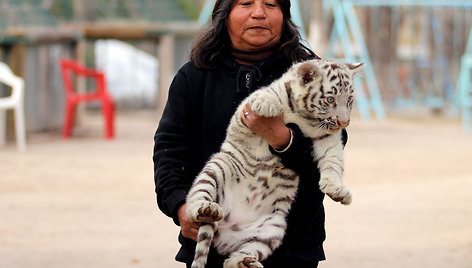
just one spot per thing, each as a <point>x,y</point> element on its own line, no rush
<point>330,100</point>
<point>271,5</point>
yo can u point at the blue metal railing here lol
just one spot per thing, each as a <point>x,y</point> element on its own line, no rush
<point>355,50</point>
<point>347,29</point>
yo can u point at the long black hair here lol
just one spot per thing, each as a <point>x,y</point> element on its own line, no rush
<point>215,38</point>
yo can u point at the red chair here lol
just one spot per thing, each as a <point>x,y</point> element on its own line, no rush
<point>72,98</point>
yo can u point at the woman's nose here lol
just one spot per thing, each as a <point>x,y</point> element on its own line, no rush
<point>259,10</point>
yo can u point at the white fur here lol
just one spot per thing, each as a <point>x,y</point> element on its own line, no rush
<point>243,190</point>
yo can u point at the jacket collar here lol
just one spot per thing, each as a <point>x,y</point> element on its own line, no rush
<point>226,61</point>
<point>251,77</point>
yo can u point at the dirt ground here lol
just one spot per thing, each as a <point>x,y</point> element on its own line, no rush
<point>87,202</point>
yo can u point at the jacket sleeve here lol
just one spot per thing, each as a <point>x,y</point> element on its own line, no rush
<point>299,155</point>
<point>172,149</point>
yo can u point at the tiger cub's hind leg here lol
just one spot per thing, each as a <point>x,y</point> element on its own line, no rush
<point>201,200</point>
<point>242,260</point>
<point>204,211</point>
<point>259,241</point>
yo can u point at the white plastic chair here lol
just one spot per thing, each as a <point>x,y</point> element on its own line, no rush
<point>16,102</point>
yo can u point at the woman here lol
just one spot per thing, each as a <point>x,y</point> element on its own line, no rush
<point>249,44</point>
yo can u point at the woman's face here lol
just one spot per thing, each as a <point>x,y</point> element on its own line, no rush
<point>255,24</point>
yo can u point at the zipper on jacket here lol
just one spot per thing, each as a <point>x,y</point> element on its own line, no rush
<point>248,80</point>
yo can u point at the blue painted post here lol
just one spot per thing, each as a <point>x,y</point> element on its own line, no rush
<point>465,91</point>
<point>205,14</point>
<point>375,98</point>
<point>464,88</point>
<point>297,17</point>
<point>340,30</point>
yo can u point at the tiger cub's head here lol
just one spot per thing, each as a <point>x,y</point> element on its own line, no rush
<point>323,92</point>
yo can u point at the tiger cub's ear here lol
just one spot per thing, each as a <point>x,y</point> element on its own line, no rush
<point>355,67</point>
<point>307,72</point>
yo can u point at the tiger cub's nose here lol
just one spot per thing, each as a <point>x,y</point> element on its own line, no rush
<point>343,124</point>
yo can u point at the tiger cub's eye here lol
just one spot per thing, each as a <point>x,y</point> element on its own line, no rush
<point>330,100</point>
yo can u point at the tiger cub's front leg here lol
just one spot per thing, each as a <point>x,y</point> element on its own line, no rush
<point>201,200</point>
<point>329,155</point>
<point>265,103</point>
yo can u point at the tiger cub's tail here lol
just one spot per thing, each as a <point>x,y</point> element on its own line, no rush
<point>204,239</point>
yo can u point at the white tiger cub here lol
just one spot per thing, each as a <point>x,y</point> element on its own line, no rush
<point>242,196</point>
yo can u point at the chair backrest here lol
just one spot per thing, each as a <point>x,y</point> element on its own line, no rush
<point>69,66</point>
<point>16,83</point>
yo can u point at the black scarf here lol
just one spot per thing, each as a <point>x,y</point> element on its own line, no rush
<point>252,57</point>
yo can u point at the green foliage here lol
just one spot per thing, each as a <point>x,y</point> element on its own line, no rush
<point>122,9</point>
<point>191,8</point>
<point>62,9</point>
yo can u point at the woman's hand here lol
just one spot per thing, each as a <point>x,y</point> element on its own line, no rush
<point>189,228</point>
<point>271,129</point>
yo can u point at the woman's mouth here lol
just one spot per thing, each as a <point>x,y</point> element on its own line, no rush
<point>257,28</point>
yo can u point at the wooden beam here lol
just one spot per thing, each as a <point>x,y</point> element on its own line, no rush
<point>137,31</point>
<point>109,30</point>
<point>20,35</point>
<point>166,69</point>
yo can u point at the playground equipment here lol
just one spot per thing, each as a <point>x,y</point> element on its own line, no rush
<point>346,25</point>
<point>435,90</point>
<point>465,91</point>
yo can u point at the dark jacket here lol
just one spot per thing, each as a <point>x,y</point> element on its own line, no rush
<point>193,126</point>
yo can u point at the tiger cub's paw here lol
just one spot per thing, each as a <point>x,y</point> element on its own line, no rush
<point>265,106</point>
<point>336,191</point>
<point>204,211</point>
<point>240,260</point>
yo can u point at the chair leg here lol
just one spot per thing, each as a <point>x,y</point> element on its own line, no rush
<point>3,129</point>
<point>68,119</point>
<point>20,128</point>
<point>108,110</point>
